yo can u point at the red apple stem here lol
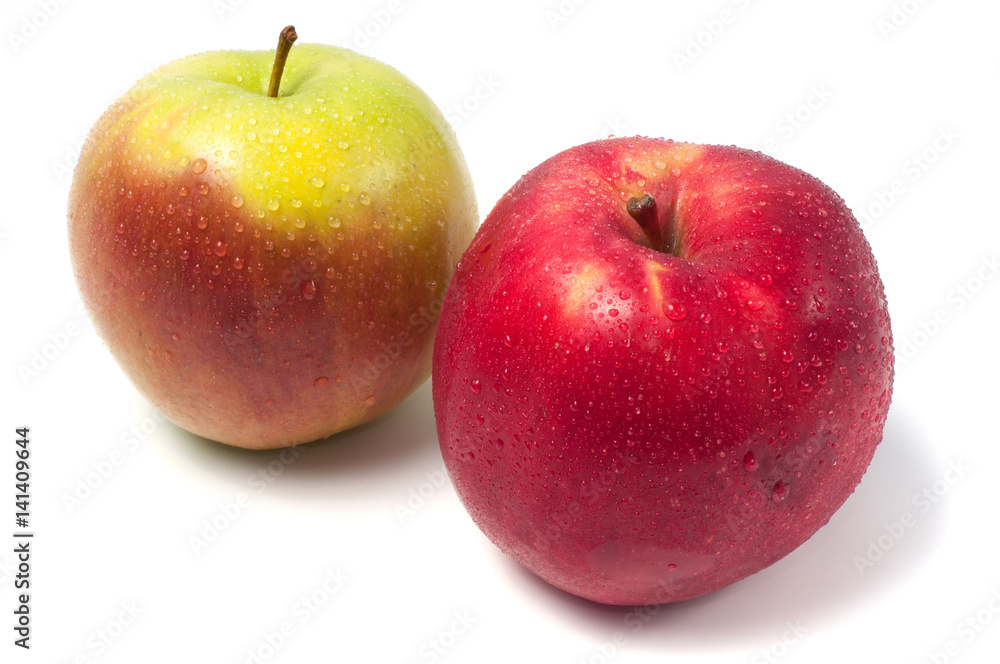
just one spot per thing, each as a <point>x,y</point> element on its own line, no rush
<point>285,41</point>
<point>643,210</point>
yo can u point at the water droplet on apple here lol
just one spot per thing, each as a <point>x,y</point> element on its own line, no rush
<point>220,248</point>
<point>238,263</point>
<point>749,462</point>
<point>273,204</point>
<point>120,229</point>
<point>755,304</point>
<point>309,290</point>
<point>203,188</point>
<point>198,166</point>
<point>674,310</point>
<point>779,492</point>
<point>317,182</point>
<point>321,381</point>
<point>364,199</point>
<point>342,144</point>
<point>476,387</point>
<point>345,187</point>
<point>237,201</point>
<point>183,191</point>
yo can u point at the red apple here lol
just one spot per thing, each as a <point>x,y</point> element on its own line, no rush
<point>267,268</point>
<point>661,367</point>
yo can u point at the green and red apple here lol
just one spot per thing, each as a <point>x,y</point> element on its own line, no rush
<point>267,269</point>
<point>661,367</point>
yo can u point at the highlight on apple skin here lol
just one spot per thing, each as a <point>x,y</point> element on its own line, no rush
<point>660,367</point>
<point>267,270</point>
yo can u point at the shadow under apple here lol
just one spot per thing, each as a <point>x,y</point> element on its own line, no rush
<point>816,583</point>
<point>367,462</point>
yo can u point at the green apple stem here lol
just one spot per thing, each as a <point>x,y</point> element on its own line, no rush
<point>285,41</point>
<point>643,210</point>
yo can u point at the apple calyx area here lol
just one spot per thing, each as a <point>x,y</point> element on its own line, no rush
<point>644,211</point>
<point>285,41</point>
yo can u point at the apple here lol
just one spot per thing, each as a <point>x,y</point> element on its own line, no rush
<point>660,367</point>
<point>268,268</point>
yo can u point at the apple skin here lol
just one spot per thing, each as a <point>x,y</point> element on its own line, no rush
<point>640,427</point>
<point>268,271</point>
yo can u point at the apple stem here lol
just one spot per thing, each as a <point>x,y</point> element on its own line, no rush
<point>643,210</point>
<point>285,41</point>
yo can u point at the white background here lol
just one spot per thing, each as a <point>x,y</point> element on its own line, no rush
<point>599,67</point>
